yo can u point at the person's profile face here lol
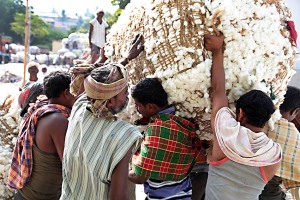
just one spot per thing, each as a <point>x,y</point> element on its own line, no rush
<point>121,101</point>
<point>142,109</point>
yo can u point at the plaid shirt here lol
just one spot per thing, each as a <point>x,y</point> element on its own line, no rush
<point>169,150</point>
<point>286,134</point>
<point>21,166</point>
<point>288,184</point>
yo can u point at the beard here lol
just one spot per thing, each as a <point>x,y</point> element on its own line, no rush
<point>119,109</point>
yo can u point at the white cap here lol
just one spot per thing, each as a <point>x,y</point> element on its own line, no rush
<point>99,10</point>
<point>31,64</point>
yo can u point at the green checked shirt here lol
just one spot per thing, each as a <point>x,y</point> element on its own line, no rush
<point>169,150</point>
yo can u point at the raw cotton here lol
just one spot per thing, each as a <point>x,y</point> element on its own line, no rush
<point>258,54</point>
<point>9,129</point>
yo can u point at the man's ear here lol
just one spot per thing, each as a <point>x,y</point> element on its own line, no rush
<point>67,94</point>
<point>149,106</point>
<point>241,115</point>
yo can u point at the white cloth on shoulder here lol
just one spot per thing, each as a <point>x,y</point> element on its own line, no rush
<point>242,145</point>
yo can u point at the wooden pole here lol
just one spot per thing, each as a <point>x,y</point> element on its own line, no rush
<point>25,44</point>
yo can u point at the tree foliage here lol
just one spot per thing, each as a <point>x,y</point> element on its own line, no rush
<point>53,35</point>
<point>57,34</point>
<point>85,27</point>
<point>73,29</point>
<point>112,18</point>
<point>8,10</point>
<point>38,28</point>
<point>121,3</point>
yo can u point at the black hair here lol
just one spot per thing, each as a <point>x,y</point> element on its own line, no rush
<point>101,74</point>
<point>291,99</point>
<point>55,83</point>
<point>257,106</point>
<point>150,90</point>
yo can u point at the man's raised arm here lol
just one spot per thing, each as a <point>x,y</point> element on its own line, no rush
<point>219,98</point>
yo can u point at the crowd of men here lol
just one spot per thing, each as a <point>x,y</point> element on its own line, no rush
<point>72,145</point>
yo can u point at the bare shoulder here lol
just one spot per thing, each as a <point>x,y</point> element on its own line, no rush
<point>55,118</point>
<point>53,122</point>
<point>50,133</point>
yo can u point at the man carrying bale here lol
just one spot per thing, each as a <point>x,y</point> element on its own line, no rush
<point>243,159</point>
<point>98,144</point>
<point>170,147</point>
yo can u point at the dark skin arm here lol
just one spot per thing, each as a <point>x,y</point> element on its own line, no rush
<point>90,34</point>
<point>134,50</point>
<point>136,179</point>
<point>51,132</point>
<point>219,98</point>
<point>119,179</point>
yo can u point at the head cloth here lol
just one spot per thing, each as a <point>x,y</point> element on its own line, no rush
<point>98,92</point>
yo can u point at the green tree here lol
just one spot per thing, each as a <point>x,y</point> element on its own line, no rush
<point>85,27</point>
<point>121,3</point>
<point>73,29</point>
<point>112,18</point>
<point>82,26</point>
<point>8,10</point>
<point>38,28</point>
<point>57,34</point>
<point>53,35</point>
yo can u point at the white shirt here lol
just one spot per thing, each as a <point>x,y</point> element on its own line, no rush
<point>98,34</point>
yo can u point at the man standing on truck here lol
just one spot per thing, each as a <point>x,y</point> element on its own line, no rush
<point>97,36</point>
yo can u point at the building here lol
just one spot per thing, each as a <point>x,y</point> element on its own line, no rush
<point>58,22</point>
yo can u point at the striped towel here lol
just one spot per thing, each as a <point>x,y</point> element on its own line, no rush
<point>21,166</point>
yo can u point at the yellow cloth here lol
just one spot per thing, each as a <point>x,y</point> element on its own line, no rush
<point>79,73</point>
<point>286,134</point>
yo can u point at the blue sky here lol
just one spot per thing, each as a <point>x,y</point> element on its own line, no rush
<point>71,6</point>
